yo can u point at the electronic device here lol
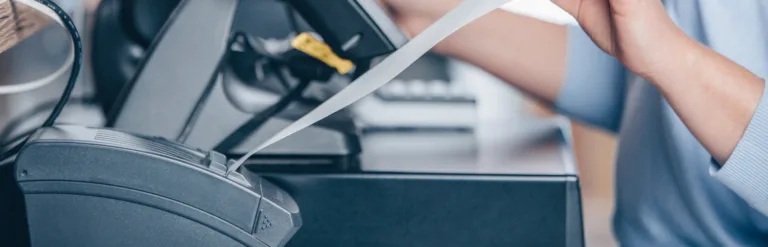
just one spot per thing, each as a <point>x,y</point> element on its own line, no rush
<point>165,68</point>
<point>356,29</point>
<point>426,96</point>
<point>435,189</point>
<point>97,187</point>
<point>383,209</point>
<point>411,199</point>
<point>88,186</point>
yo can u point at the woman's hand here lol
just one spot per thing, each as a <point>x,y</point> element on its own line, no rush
<point>637,32</point>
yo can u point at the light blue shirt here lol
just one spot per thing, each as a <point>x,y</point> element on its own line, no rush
<point>667,194</point>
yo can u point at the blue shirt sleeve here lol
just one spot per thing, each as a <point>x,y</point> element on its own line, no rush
<point>594,87</point>
<point>746,171</point>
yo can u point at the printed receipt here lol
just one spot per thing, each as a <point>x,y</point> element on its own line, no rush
<point>393,65</point>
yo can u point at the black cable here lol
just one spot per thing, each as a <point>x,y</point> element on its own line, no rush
<point>77,45</point>
<point>281,79</point>
<point>77,63</point>
<point>244,131</point>
<point>259,119</point>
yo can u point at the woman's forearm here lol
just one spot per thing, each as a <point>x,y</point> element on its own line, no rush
<point>715,97</point>
<point>528,53</point>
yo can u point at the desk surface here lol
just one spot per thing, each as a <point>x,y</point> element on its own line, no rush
<point>535,148</point>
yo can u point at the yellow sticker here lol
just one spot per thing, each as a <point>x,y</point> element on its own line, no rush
<point>308,44</point>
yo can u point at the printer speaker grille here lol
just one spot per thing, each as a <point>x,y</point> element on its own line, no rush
<point>139,143</point>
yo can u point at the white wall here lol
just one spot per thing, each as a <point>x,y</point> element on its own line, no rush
<point>541,9</point>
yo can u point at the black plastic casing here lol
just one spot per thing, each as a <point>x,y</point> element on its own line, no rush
<point>342,20</point>
<point>94,187</point>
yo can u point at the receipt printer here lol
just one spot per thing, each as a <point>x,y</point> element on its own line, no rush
<point>96,187</point>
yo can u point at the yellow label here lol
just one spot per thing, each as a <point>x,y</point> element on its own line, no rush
<point>308,44</point>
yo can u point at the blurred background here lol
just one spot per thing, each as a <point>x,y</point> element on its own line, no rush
<point>46,51</point>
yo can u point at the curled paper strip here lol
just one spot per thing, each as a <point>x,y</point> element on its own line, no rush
<point>393,65</point>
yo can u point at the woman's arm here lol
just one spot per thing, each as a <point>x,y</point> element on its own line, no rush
<point>528,53</point>
<point>715,97</point>
<point>722,103</point>
<point>556,64</point>
<point>726,108</point>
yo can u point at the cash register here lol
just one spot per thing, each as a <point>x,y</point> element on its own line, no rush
<point>150,179</point>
